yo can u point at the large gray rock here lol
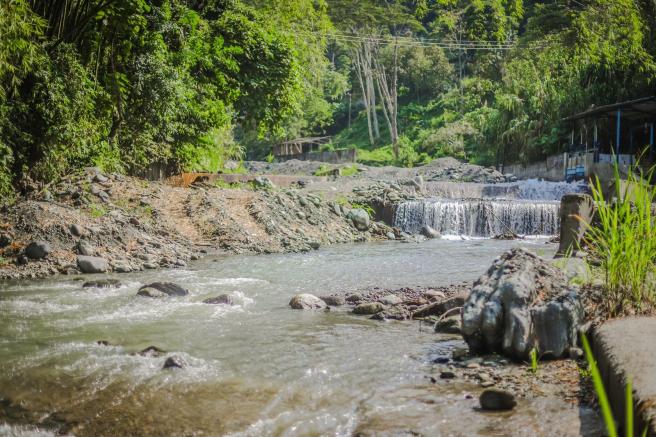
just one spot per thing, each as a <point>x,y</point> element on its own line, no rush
<point>522,302</point>
<point>306,301</point>
<point>37,250</point>
<point>576,213</point>
<point>85,248</point>
<point>360,219</point>
<point>92,264</point>
<point>162,289</point>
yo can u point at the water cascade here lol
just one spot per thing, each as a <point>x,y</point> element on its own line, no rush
<point>479,217</point>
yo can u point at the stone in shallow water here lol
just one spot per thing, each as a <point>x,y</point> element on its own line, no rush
<point>333,301</point>
<point>151,351</point>
<point>497,400</point>
<point>306,301</point>
<point>174,362</point>
<point>368,308</point>
<point>102,283</point>
<point>162,289</point>
<point>222,299</point>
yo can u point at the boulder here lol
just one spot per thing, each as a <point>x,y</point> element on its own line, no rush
<point>576,213</point>
<point>92,264</point>
<point>162,289</point>
<point>497,400</point>
<point>360,219</point>
<point>37,250</point>
<point>429,232</point>
<point>306,301</point>
<point>174,362</point>
<point>522,302</point>
<point>85,248</point>
<point>368,308</point>
<point>222,299</point>
<point>151,351</point>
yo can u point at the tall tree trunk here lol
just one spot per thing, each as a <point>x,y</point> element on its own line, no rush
<point>387,88</point>
<point>360,70</point>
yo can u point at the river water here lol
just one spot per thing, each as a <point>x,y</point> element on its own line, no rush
<point>256,368</point>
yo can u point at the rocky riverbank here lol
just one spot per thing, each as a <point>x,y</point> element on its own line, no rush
<point>94,222</point>
<point>91,222</point>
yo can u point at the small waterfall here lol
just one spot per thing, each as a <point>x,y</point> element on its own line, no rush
<point>479,217</point>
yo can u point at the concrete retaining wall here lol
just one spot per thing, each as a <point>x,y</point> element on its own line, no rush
<point>553,169</point>
<point>626,348</point>
<point>332,157</point>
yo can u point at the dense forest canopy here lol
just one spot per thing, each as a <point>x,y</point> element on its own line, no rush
<point>123,84</point>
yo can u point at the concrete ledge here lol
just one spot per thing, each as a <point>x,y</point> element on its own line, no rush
<point>626,348</point>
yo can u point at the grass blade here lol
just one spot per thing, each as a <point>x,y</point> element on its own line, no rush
<point>598,384</point>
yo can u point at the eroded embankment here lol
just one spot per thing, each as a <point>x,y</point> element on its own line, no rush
<point>130,224</point>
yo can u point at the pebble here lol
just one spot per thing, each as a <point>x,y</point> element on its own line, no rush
<point>447,374</point>
<point>497,400</point>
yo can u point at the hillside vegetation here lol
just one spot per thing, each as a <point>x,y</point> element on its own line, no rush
<point>124,84</point>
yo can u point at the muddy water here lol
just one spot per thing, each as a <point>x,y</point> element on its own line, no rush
<point>257,368</point>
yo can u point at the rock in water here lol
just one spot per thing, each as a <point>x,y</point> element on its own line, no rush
<point>162,289</point>
<point>92,264</point>
<point>360,219</point>
<point>222,299</point>
<point>368,308</point>
<point>429,232</point>
<point>306,301</point>
<point>522,302</point>
<point>102,283</point>
<point>174,362</point>
<point>37,250</point>
<point>333,301</point>
<point>497,400</point>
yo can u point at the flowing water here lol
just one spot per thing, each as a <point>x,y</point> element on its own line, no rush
<point>256,368</point>
<point>479,217</point>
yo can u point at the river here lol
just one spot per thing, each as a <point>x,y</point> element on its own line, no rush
<point>255,368</point>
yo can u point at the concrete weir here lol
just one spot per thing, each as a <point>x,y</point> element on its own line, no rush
<point>626,349</point>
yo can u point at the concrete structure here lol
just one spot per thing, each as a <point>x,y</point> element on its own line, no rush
<point>553,169</point>
<point>600,137</point>
<point>340,156</point>
<point>309,149</point>
<point>626,349</point>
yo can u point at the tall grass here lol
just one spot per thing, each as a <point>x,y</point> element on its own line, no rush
<point>604,404</point>
<point>623,241</point>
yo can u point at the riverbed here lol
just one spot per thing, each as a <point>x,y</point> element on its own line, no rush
<point>257,367</point>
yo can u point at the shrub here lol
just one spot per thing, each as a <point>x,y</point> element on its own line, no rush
<point>623,242</point>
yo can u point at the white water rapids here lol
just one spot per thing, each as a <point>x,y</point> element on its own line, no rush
<point>525,208</point>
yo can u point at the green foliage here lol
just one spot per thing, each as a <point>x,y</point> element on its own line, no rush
<point>624,241</point>
<point>533,355</point>
<point>96,210</point>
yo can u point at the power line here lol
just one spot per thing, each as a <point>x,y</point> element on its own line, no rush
<point>441,43</point>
